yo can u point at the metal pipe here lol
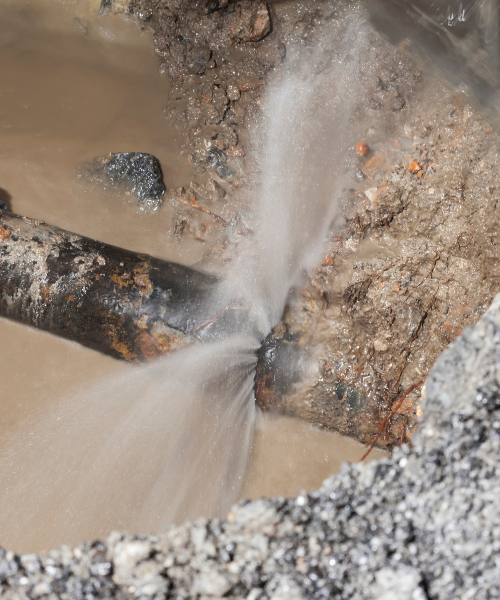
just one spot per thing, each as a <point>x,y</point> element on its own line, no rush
<point>131,306</point>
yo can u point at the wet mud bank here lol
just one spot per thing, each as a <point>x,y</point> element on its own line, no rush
<point>423,524</point>
<point>414,262</point>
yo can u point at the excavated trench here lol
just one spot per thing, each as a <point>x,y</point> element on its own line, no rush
<point>409,260</point>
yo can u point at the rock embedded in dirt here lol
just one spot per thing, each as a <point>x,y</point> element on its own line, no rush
<point>197,58</point>
<point>253,20</point>
<point>373,165</point>
<point>361,149</point>
<point>217,160</point>
<point>138,172</point>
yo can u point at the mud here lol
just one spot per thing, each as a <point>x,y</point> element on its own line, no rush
<point>75,89</point>
<point>412,259</point>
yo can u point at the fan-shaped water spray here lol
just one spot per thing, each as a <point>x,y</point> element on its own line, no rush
<point>171,440</point>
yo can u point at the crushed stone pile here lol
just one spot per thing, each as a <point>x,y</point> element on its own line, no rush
<point>423,524</point>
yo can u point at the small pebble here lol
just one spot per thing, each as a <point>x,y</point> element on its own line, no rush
<point>361,149</point>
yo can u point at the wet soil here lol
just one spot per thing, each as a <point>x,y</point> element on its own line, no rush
<point>411,256</point>
<point>414,263</point>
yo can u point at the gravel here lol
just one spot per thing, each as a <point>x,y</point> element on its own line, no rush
<point>423,524</point>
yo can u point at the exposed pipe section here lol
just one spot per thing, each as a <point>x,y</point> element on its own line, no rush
<point>131,306</point>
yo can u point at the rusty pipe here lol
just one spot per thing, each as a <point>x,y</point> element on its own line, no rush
<point>128,305</point>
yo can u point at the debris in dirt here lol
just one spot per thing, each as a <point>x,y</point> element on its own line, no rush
<point>358,174</point>
<point>4,232</point>
<point>391,216</point>
<point>253,20</point>
<point>233,92</point>
<point>414,167</point>
<point>138,172</point>
<point>423,267</point>
<point>248,83</point>
<point>371,193</point>
<point>217,160</point>
<point>235,151</point>
<point>192,204</point>
<point>241,224</point>
<point>197,58</point>
<point>361,149</point>
<point>373,166</point>
<point>397,406</point>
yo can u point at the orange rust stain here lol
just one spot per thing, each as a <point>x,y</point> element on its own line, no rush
<point>123,280</point>
<point>142,280</point>
<point>70,298</point>
<point>152,345</point>
<point>148,346</point>
<point>141,323</point>
<point>45,292</point>
<point>4,232</point>
<point>328,261</point>
<point>122,348</point>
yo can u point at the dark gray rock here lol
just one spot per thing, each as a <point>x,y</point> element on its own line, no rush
<point>217,160</point>
<point>138,172</point>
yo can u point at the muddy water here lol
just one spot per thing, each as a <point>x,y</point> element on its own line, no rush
<point>74,86</point>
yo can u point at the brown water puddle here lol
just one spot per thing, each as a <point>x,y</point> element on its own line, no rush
<point>71,90</point>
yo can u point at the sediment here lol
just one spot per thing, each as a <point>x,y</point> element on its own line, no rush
<point>422,524</point>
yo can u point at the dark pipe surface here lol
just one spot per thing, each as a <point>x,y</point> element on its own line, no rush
<point>131,306</point>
